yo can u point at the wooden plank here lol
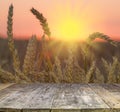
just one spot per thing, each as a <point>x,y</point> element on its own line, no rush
<point>82,110</point>
<point>10,110</point>
<point>7,91</point>
<point>35,110</point>
<point>11,100</point>
<point>85,110</point>
<point>3,86</point>
<point>90,99</point>
<point>76,96</point>
<point>113,89</point>
<point>42,98</point>
<point>117,85</point>
<point>106,95</point>
<point>29,96</point>
<point>64,98</point>
<point>65,110</point>
<point>98,110</point>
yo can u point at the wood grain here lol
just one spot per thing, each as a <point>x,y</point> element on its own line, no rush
<point>106,95</point>
<point>40,97</point>
<point>74,96</point>
<point>3,86</point>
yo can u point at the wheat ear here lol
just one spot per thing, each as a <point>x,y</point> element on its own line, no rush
<point>6,76</point>
<point>99,76</point>
<point>29,60</point>
<point>46,59</point>
<point>42,20</point>
<point>90,73</point>
<point>112,76</point>
<point>69,67</point>
<point>57,69</point>
<point>95,35</point>
<point>44,24</point>
<point>106,65</point>
<point>16,61</point>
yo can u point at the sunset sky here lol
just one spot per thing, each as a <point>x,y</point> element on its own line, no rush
<point>88,15</point>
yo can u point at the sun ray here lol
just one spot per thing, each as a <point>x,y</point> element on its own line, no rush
<point>70,24</point>
<point>70,29</point>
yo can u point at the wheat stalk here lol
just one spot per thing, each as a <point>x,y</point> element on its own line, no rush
<point>53,77</point>
<point>68,71</point>
<point>112,69</point>
<point>6,76</point>
<point>95,35</point>
<point>85,54</point>
<point>90,73</point>
<point>16,61</point>
<point>44,24</point>
<point>99,76</point>
<point>29,59</point>
<point>106,65</point>
<point>57,69</point>
<point>42,21</point>
<point>45,52</point>
<point>79,73</point>
<point>118,73</point>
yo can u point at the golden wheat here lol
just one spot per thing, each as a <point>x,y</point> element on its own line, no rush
<point>112,70</point>
<point>29,59</point>
<point>99,76</point>
<point>90,73</point>
<point>68,70</point>
<point>72,72</point>
<point>57,69</point>
<point>6,76</point>
<point>79,73</point>
<point>16,61</point>
<point>95,35</point>
<point>43,21</point>
<point>105,64</point>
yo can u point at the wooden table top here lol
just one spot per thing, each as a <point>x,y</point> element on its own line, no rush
<point>40,97</point>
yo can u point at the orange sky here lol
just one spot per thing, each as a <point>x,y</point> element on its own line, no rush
<point>91,15</point>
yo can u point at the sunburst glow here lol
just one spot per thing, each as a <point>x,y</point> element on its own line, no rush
<point>70,29</point>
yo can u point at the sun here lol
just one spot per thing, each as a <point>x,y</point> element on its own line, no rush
<point>69,29</point>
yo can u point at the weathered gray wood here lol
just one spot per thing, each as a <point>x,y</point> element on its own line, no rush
<point>75,96</point>
<point>113,89</point>
<point>42,97</point>
<point>64,98</point>
<point>117,85</point>
<point>12,100</point>
<point>11,89</point>
<point>106,95</point>
<point>36,110</point>
<point>97,110</point>
<point>10,110</point>
<point>83,110</point>
<point>66,110</point>
<point>90,98</point>
<point>3,86</point>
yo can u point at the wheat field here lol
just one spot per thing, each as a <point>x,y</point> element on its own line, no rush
<point>41,61</point>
